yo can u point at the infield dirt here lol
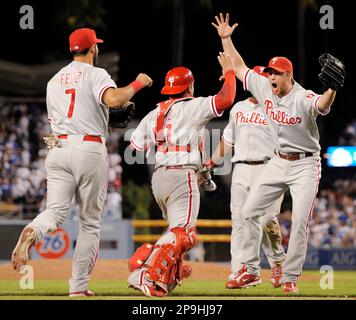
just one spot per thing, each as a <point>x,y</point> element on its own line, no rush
<point>117,270</point>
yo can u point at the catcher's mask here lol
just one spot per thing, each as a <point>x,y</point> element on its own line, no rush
<point>177,80</point>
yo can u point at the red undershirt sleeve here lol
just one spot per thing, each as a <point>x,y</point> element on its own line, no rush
<point>226,96</point>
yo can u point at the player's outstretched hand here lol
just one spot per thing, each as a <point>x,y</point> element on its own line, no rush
<point>145,79</point>
<point>225,62</point>
<point>222,26</point>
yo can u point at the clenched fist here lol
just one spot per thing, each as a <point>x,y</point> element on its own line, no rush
<point>144,79</point>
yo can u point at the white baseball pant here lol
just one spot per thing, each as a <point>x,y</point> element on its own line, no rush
<point>76,168</point>
<point>243,178</point>
<point>302,178</point>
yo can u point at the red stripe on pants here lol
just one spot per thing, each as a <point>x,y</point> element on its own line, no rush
<point>312,206</point>
<point>190,201</point>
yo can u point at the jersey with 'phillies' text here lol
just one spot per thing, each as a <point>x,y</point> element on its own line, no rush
<point>248,132</point>
<point>293,116</point>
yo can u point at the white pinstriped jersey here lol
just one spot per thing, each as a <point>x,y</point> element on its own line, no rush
<point>293,117</point>
<point>184,124</point>
<point>74,102</point>
<point>248,132</point>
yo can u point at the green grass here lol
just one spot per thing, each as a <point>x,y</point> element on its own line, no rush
<point>344,286</point>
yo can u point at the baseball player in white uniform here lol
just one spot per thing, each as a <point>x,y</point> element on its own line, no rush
<point>78,100</point>
<point>249,135</point>
<point>175,128</point>
<point>291,112</point>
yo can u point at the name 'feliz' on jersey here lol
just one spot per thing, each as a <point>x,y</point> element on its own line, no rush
<point>248,132</point>
<point>292,118</point>
<point>184,125</point>
<point>74,102</point>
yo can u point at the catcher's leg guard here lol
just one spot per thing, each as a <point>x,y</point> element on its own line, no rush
<point>166,268</point>
<point>140,256</point>
<point>163,266</point>
<point>186,240</point>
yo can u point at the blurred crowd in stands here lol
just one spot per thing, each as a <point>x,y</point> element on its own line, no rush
<point>23,178</point>
<point>348,136</point>
<point>22,157</point>
<point>333,224</point>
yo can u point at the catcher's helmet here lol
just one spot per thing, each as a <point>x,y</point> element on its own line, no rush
<point>177,80</point>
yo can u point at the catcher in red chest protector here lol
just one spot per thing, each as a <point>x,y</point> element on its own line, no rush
<point>175,128</point>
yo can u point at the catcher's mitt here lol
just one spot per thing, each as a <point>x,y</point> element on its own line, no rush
<point>205,182</point>
<point>332,73</point>
<point>121,117</point>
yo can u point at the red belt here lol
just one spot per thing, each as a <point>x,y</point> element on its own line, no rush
<point>171,148</point>
<point>87,137</point>
<point>178,167</point>
<point>294,155</point>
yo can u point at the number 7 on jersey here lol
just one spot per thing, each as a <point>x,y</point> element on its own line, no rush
<point>72,101</point>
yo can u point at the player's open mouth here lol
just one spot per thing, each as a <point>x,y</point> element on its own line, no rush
<point>274,85</point>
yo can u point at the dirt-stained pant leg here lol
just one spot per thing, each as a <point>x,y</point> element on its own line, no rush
<point>177,194</point>
<point>90,167</point>
<point>268,189</point>
<point>60,191</point>
<point>243,178</point>
<point>272,236</point>
<point>302,177</point>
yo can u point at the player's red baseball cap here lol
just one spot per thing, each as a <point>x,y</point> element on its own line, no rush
<point>281,64</point>
<point>177,80</point>
<point>82,39</point>
<point>260,70</point>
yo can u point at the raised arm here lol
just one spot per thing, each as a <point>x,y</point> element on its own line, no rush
<point>226,96</point>
<point>116,98</point>
<point>225,31</point>
<point>332,75</point>
<point>326,100</point>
